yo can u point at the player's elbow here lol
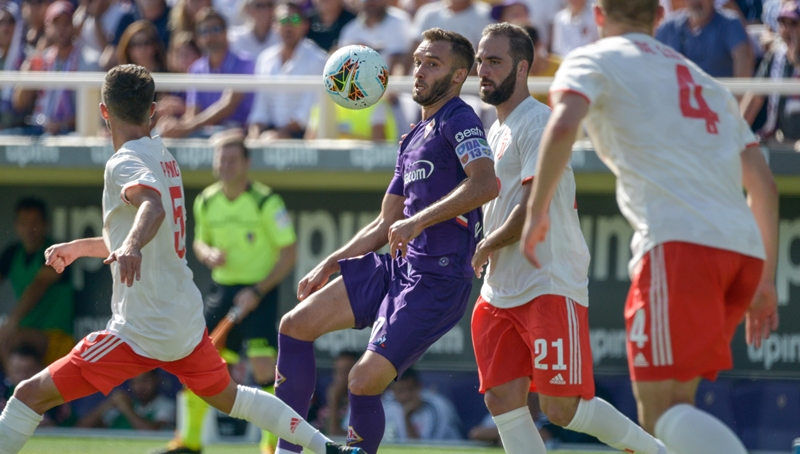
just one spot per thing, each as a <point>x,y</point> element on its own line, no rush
<point>488,188</point>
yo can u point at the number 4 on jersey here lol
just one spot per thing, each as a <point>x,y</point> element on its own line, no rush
<point>688,89</point>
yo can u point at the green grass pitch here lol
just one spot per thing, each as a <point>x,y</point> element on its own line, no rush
<point>52,445</point>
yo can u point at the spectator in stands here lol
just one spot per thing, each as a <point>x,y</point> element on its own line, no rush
<point>257,34</point>
<point>44,311</point>
<point>714,39</point>
<point>33,12</point>
<point>512,11</point>
<point>327,21</point>
<point>487,430</point>
<point>332,416</point>
<point>100,24</point>
<point>157,13</point>
<point>466,17</point>
<point>54,109</point>
<point>382,28</point>
<point>205,110</point>
<point>284,115</point>
<point>21,364</point>
<point>141,46</point>
<point>183,16</point>
<point>427,414</point>
<point>543,15</point>
<point>181,54</point>
<point>376,123</point>
<point>574,27</point>
<point>143,409</point>
<point>11,58</point>
<point>544,64</point>
<point>781,62</point>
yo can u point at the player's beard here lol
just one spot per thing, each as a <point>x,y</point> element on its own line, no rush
<point>501,92</point>
<point>436,91</point>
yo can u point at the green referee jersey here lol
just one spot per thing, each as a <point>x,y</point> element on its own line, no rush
<point>251,230</point>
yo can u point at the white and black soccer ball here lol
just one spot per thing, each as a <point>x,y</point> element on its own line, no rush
<point>355,77</point>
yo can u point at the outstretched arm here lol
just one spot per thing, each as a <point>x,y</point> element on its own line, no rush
<point>370,238</point>
<point>556,150</point>
<point>762,196</point>
<point>148,219</point>
<point>507,234</point>
<point>479,187</point>
<point>60,256</point>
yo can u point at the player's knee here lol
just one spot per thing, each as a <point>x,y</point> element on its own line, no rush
<point>362,383</point>
<point>292,325</point>
<point>29,392</point>
<point>559,411</point>
<point>499,403</point>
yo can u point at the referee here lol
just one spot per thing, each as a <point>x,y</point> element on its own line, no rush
<point>245,236</point>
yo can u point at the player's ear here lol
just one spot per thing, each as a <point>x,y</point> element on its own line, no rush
<point>599,16</point>
<point>460,75</point>
<point>104,111</point>
<point>152,110</point>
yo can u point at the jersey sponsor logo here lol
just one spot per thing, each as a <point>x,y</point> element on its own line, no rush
<point>279,378</point>
<point>380,342</point>
<point>467,133</point>
<point>640,361</point>
<point>293,423</point>
<point>558,380</point>
<point>352,436</point>
<point>419,170</point>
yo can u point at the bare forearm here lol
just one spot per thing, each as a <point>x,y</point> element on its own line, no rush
<point>764,205</point>
<point>508,233</point>
<point>369,239</point>
<point>91,247</point>
<point>215,113</point>
<point>556,151</point>
<point>471,194</point>
<point>146,225</point>
<point>281,269</point>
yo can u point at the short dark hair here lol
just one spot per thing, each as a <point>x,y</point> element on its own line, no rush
<point>461,47</point>
<point>230,137</point>
<point>519,42</point>
<point>637,13</point>
<point>31,204</point>
<point>533,33</point>
<point>209,13</point>
<point>293,6</point>
<point>128,93</point>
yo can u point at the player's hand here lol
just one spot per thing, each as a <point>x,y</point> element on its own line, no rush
<point>480,258</point>
<point>59,256</point>
<point>762,315</point>
<point>400,234</point>
<point>129,260</point>
<point>315,279</point>
<point>533,233</point>
<point>247,300</point>
<point>215,258</point>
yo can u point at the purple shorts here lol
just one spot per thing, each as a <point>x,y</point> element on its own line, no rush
<point>408,310</point>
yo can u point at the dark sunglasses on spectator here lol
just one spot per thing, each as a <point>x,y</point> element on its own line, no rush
<point>213,30</point>
<point>262,5</point>
<point>293,19</point>
<point>142,43</point>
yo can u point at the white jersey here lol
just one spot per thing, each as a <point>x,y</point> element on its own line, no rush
<point>673,137</point>
<point>161,315</point>
<point>510,279</point>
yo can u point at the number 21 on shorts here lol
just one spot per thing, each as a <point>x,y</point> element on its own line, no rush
<point>688,89</point>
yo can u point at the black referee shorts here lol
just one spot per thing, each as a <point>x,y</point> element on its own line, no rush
<point>257,334</point>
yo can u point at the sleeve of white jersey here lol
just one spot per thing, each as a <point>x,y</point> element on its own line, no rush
<point>581,74</point>
<point>128,171</point>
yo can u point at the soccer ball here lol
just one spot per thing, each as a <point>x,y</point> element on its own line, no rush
<point>355,77</point>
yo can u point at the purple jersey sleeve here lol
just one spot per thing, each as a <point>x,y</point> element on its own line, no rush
<point>465,134</point>
<point>396,185</point>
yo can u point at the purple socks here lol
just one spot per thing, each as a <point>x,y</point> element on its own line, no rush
<point>367,422</point>
<point>295,378</point>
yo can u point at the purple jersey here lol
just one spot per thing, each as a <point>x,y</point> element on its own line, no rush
<point>429,166</point>
<point>233,64</point>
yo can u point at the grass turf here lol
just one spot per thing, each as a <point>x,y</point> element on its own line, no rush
<point>52,445</point>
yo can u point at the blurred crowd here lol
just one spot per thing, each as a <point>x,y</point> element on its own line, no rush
<point>727,38</point>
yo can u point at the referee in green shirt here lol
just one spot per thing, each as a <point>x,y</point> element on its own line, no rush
<point>245,236</point>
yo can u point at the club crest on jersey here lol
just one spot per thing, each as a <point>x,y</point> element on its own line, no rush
<point>279,378</point>
<point>380,342</point>
<point>352,436</point>
<point>503,145</point>
<point>418,170</point>
<point>293,423</point>
<point>429,127</point>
